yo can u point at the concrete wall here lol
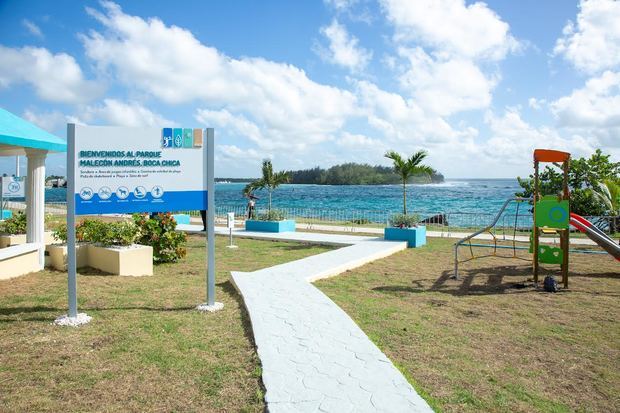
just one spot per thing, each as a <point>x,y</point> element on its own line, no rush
<point>22,261</point>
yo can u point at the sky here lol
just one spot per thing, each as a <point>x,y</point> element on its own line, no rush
<point>478,85</point>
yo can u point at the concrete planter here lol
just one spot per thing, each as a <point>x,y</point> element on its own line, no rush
<point>10,240</point>
<point>56,256</point>
<point>19,260</point>
<point>287,225</point>
<point>134,260</point>
<point>415,237</point>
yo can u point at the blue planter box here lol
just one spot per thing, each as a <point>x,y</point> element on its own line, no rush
<point>6,214</point>
<point>181,218</point>
<point>415,237</point>
<point>287,225</point>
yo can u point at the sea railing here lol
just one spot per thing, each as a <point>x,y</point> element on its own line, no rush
<point>356,220</point>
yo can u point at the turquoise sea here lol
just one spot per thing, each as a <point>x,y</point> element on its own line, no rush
<point>463,196</point>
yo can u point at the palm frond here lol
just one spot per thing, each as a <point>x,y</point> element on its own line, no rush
<point>417,158</point>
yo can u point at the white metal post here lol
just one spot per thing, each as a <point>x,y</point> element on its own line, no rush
<point>1,198</point>
<point>210,148</point>
<point>71,263</point>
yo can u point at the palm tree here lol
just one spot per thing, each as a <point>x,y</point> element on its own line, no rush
<point>406,168</point>
<point>269,181</point>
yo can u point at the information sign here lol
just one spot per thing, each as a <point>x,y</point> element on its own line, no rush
<point>13,187</point>
<point>122,170</point>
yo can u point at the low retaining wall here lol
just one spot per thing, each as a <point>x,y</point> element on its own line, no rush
<point>19,260</point>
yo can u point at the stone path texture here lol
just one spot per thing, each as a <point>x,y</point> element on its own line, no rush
<point>314,357</point>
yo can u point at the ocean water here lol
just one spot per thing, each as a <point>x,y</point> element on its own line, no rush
<point>462,196</point>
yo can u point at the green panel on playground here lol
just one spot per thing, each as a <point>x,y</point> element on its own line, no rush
<point>551,213</point>
<point>550,255</point>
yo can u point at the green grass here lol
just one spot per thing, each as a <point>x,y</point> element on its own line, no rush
<point>482,344</point>
<point>146,349</point>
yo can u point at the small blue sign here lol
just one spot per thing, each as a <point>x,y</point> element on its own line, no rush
<point>177,141</point>
<point>166,138</point>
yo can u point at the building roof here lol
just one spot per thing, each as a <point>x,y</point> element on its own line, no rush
<point>16,134</point>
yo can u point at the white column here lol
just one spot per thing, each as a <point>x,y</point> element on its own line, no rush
<point>35,200</point>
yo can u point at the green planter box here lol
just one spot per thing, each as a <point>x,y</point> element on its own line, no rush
<point>287,225</point>
<point>415,237</point>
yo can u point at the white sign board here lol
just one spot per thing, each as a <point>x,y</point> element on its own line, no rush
<point>122,170</point>
<point>230,220</point>
<point>13,187</point>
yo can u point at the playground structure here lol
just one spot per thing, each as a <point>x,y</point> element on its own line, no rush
<point>551,216</point>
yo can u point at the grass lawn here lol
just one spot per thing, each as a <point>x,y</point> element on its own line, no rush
<point>490,341</point>
<point>146,349</point>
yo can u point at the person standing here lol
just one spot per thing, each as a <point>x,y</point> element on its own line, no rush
<point>251,206</point>
<point>203,215</point>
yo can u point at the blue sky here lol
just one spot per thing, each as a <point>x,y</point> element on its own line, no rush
<point>478,85</point>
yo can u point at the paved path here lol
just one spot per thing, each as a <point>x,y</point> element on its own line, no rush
<point>314,357</point>
<point>303,237</point>
<point>430,234</point>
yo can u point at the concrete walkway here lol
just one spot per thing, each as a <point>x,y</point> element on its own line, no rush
<point>430,234</point>
<point>314,357</point>
<point>443,234</point>
<point>303,237</point>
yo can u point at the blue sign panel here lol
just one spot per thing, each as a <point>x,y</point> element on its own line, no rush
<point>166,139</point>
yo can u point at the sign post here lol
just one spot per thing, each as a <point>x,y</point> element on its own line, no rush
<point>11,187</point>
<point>126,170</point>
<point>230,223</point>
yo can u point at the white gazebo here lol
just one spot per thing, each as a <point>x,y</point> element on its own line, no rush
<point>20,137</point>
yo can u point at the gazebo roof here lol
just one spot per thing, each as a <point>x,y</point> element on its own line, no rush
<point>16,134</point>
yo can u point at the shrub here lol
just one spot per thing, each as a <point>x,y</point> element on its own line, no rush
<point>15,225</point>
<point>273,215</point>
<point>404,221</point>
<point>98,232</point>
<point>60,233</point>
<point>159,232</point>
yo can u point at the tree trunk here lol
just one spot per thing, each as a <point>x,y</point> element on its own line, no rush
<point>404,197</point>
<point>269,201</point>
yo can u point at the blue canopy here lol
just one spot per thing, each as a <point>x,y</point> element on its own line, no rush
<point>17,134</point>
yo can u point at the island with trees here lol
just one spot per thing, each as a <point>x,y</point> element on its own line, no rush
<point>358,174</point>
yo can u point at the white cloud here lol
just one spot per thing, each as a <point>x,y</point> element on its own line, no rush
<point>50,121</point>
<point>536,104</point>
<point>594,109</point>
<point>354,141</point>
<point>119,113</point>
<point>54,77</point>
<point>169,63</point>
<point>513,140</point>
<point>451,27</point>
<point>593,43</point>
<point>32,28</point>
<point>444,44</point>
<point>237,123</point>
<point>437,87</point>
<point>343,49</point>
<point>237,154</point>
<point>340,5</point>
